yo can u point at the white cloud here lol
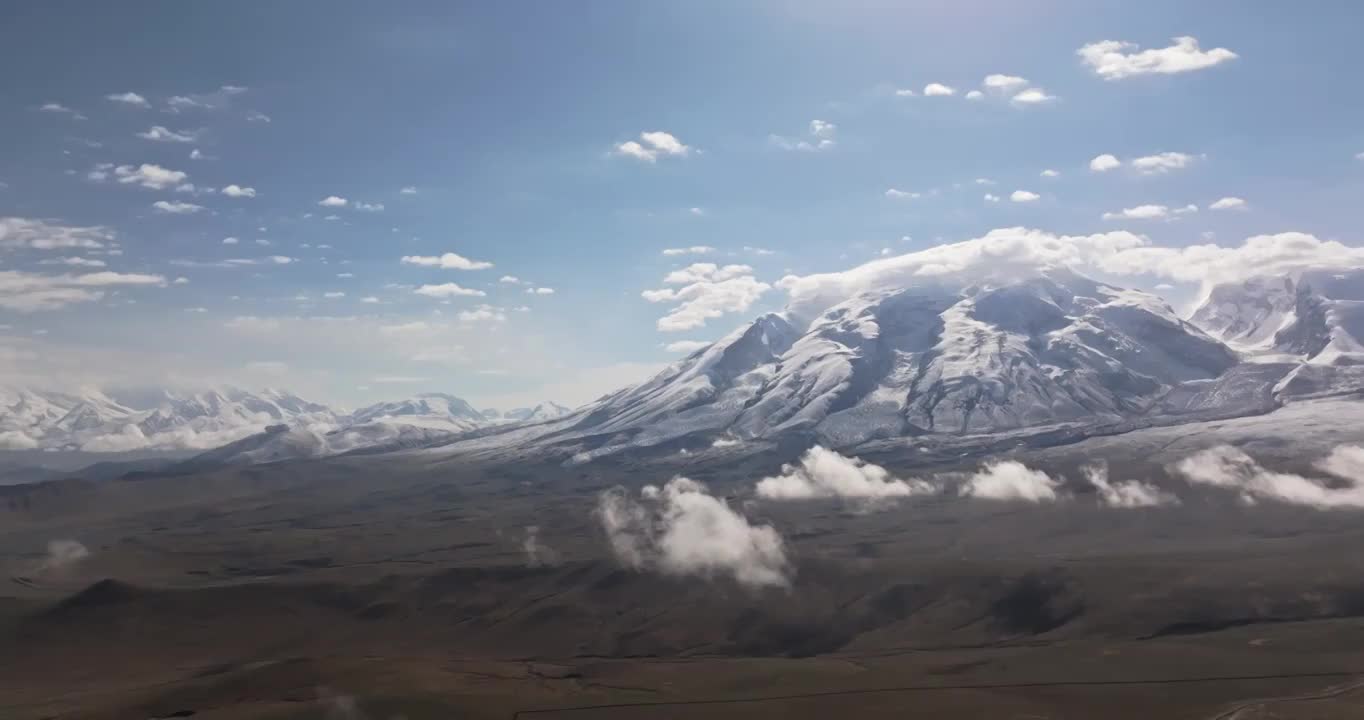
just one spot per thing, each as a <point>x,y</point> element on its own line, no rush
<point>128,98</point>
<point>1011,480</point>
<point>180,281</point>
<point>821,135</point>
<point>175,207</point>
<point>696,211</point>
<point>369,207</point>
<point>448,290</point>
<point>409,190</point>
<point>31,292</point>
<point>1006,253</point>
<point>897,194</point>
<point>1115,60</point>
<point>195,154</point>
<point>654,145</point>
<point>686,346</point>
<point>59,108</point>
<point>1228,467</point>
<point>257,116</point>
<point>18,232</point>
<point>539,291</point>
<point>447,261</point>
<point>1130,494</point>
<point>1229,203</point>
<point>709,292</point>
<point>1104,163</point>
<point>158,133</point>
<point>333,201</point>
<point>1005,83</point>
<point>510,280</point>
<point>1162,163</point>
<point>204,101</point>
<point>1024,196</point>
<point>683,530</point>
<point>1140,212</point>
<point>991,198</point>
<point>984,181</point>
<point>369,300</point>
<point>74,262</point>
<point>905,92</point>
<point>693,250</point>
<point>333,295</point>
<point>1049,173</point>
<point>753,250</point>
<point>938,90</point>
<point>824,473</point>
<point>483,313</point>
<point>147,175</point>
<point>975,95</point>
<point>238,191</point>
<point>1032,96</point>
<point>62,554</point>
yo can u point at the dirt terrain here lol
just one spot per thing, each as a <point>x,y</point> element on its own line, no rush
<point>400,585</point>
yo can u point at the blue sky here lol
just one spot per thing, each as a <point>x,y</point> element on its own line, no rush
<point>506,123</point>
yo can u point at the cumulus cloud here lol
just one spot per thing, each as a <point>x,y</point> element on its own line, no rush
<point>1229,203</point>
<point>36,234</point>
<point>538,554</point>
<point>820,135</point>
<point>1032,96</point>
<point>693,250</point>
<point>157,133</point>
<point>147,175</point>
<point>445,290</point>
<point>509,280</point>
<point>175,207</point>
<point>333,201</point>
<point>991,198</point>
<point>369,207</point>
<point>1049,173</point>
<point>1115,60</point>
<point>1011,480</point>
<point>483,313</point>
<point>59,108</point>
<point>1024,196</point>
<point>1104,163</point>
<point>1162,163</point>
<point>1229,467</point>
<point>62,554</point>
<point>823,473</point>
<point>683,530</point>
<point>447,261</point>
<point>938,90</point>
<point>653,145</point>
<point>539,291</point>
<point>1142,212</point>
<point>1129,494</point>
<point>32,292</point>
<point>975,95</point>
<point>237,191</point>
<point>1005,253</point>
<point>709,291</point>
<point>1005,83</point>
<point>897,194</point>
<point>128,98</point>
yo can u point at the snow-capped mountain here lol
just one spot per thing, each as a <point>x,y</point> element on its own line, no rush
<point>937,357</point>
<point>1317,316</point>
<point>434,410</point>
<point>547,410</point>
<point>92,421</point>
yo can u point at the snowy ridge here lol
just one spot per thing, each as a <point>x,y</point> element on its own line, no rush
<point>961,356</point>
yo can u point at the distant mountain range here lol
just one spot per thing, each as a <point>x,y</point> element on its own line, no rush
<point>938,359</point>
<point>92,421</point>
<point>954,358</point>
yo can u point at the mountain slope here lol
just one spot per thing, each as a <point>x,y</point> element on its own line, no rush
<point>950,356</point>
<point>1317,317</point>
